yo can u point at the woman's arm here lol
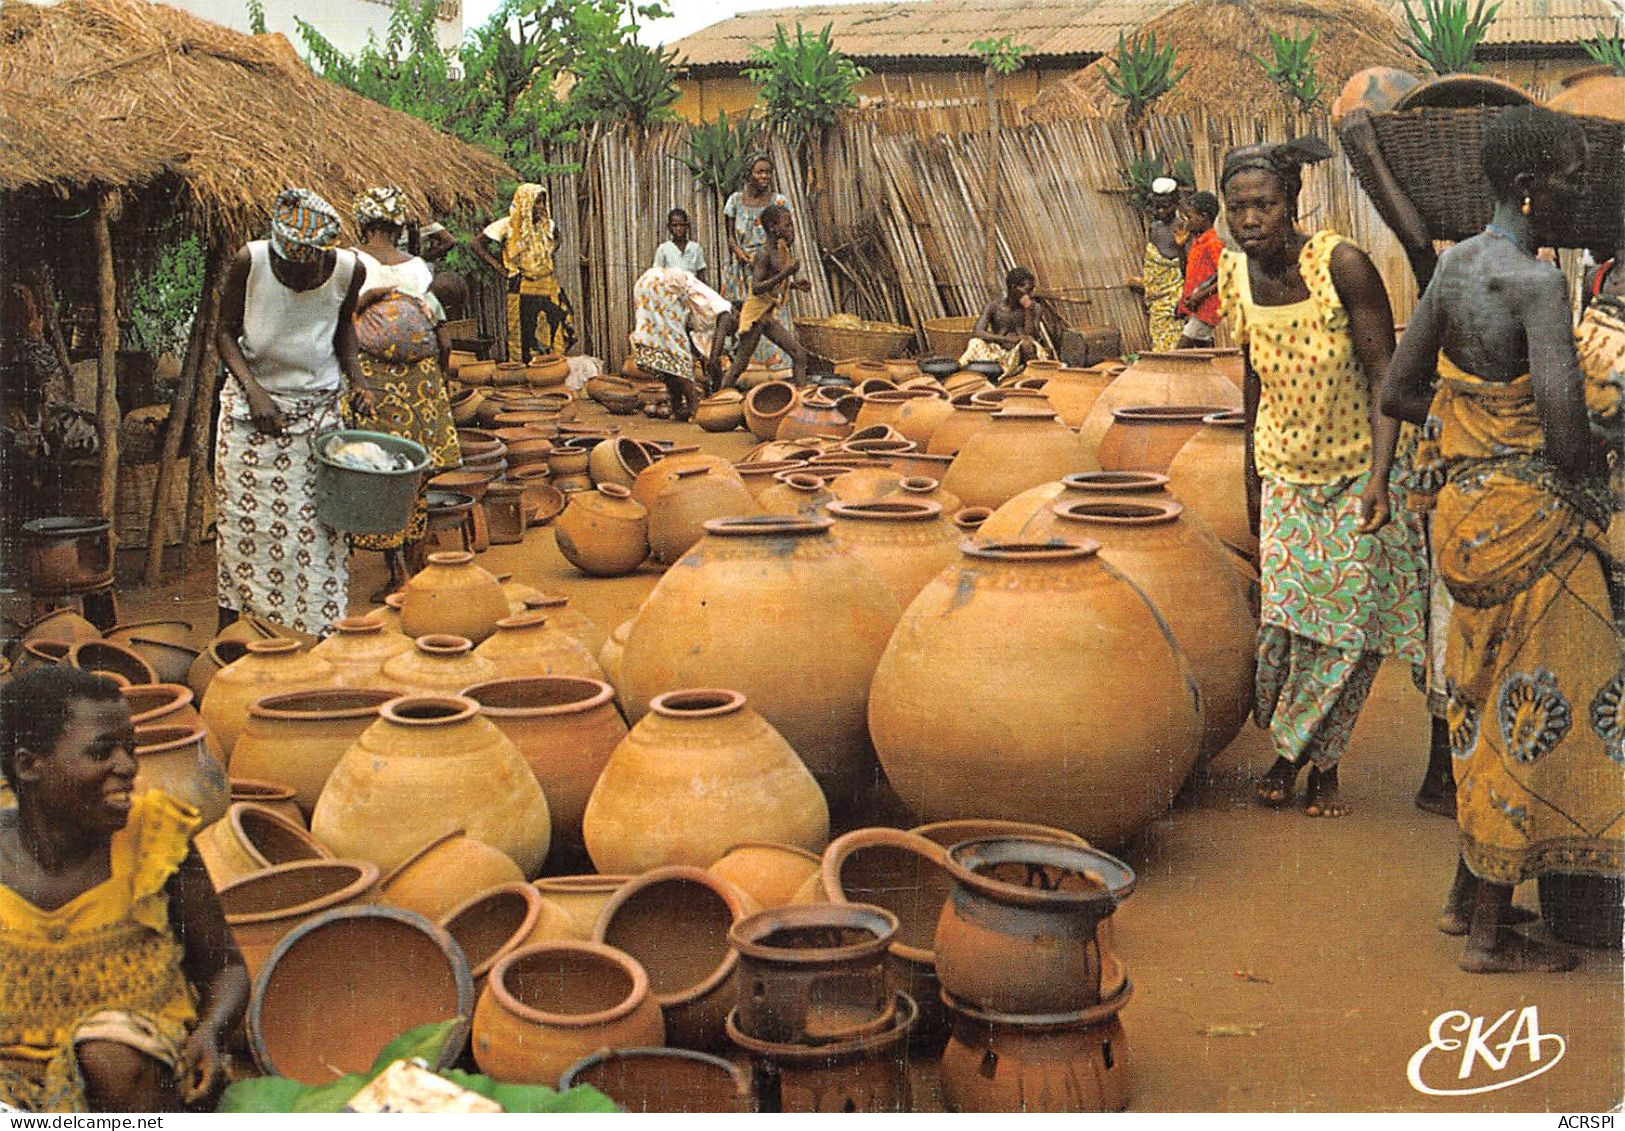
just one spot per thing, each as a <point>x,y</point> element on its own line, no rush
<point>214,967</point>
<point>1371,324</point>
<point>1250,393</point>
<point>1407,389</point>
<point>481,245</point>
<point>346,346</point>
<point>262,409</point>
<point>1554,373</point>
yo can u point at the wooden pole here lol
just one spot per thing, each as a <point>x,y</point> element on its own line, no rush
<point>990,255</point>
<point>199,481</point>
<point>107,414</point>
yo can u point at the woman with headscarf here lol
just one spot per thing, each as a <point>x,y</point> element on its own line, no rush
<point>746,237</point>
<point>1521,505</point>
<point>1163,274</point>
<point>287,340</point>
<point>540,317</point>
<point>400,362</point>
<point>1341,563</point>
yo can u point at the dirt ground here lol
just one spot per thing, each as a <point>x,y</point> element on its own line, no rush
<point>1279,963</point>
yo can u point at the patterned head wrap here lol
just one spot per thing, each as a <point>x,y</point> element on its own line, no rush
<point>303,226</point>
<point>1284,160</point>
<point>528,248</point>
<point>381,204</point>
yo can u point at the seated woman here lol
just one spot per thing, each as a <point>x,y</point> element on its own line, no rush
<point>121,980</point>
<point>678,320</point>
<point>1015,328</point>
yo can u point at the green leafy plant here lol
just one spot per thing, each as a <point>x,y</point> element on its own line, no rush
<point>1004,56</point>
<point>1291,67</point>
<point>1140,71</point>
<point>164,301</point>
<point>1142,171</point>
<point>718,150</point>
<point>1609,50</point>
<point>806,81</point>
<point>631,83</point>
<point>256,17</point>
<point>266,1095</point>
<point>1447,34</point>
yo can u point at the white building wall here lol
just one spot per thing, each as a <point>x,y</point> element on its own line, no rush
<point>344,22</point>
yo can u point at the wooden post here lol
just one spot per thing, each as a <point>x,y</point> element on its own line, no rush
<point>198,345</point>
<point>990,255</point>
<point>199,480</point>
<point>107,414</point>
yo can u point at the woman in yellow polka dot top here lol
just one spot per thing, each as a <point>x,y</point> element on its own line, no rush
<point>1341,560</point>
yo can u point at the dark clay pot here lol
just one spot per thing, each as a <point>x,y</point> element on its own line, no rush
<point>814,974</point>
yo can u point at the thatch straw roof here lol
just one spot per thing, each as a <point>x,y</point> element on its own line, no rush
<point>134,95</point>
<point>1217,39</point>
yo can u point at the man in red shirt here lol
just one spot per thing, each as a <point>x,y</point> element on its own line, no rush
<point>1200,303</point>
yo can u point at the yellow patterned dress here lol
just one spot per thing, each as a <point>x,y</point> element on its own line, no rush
<point>105,966</point>
<point>1163,279</point>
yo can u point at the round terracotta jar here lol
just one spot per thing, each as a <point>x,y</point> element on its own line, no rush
<point>530,644</point>
<point>439,664</point>
<point>165,704</point>
<point>581,898</point>
<point>1019,932</point>
<point>1073,392</point>
<point>760,476</point>
<point>264,906</point>
<point>655,478</point>
<point>695,496</point>
<point>1208,475</point>
<point>619,461</point>
<point>1147,437</point>
<point>177,760</point>
<point>446,872</point>
<point>358,649</point>
<point>713,771</point>
<point>103,657</point>
<point>1011,649</point>
<point>768,872</point>
<point>1030,516</point>
<point>298,737</point>
<point>1171,378</point>
<point>721,412</point>
<point>565,727</point>
<point>675,922</point>
<point>169,646</point>
<point>496,922</point>
<point>604,533</point>
<point>678,1081</point>
<point>571,621</point>
<point>904,541</point>
<point>969,417</point>
<point>546,1005</point>
<point>609,657</point>
<point>921,416</point>
<point>867,483</point>
<point>431,763</point>
<point>1023,447</point>
<point>273,795</point>
<point>797,493</point>
<point>744,590</point>
<point>452,595</point>
<point>64,625</point>
<point>813,414</point>
<point>766,405</point>
<point>251,838</point>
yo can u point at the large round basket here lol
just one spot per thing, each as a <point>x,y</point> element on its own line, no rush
<point>836,342</point>
<point>948,337</point>
<point>367,502</point>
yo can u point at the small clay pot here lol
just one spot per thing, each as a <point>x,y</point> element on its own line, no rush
<point>582,898</point>
<point>721,412</point>
<point>664,1080</point>
<point>264,906</point>
<point>445,872</point>
<point>866,1074</point>
<point>358,649</point>
<point>766,405</point>
<point>251,838</point>
<point>177,760</point>
<point>814,974</point>
<point>273,795</point>
<point>604,533</point>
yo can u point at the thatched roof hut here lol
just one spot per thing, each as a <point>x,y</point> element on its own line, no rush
<point>129,95</point>
<point>1217,40</point>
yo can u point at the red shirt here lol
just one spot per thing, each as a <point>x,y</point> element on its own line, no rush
<point>1201,264</point>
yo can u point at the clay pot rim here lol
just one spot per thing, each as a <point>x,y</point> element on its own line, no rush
<point>366,876</point>
<point>720,701</point>
<point>52,651</point>
<point>592,883</point>
<point>1022,412</point>
<point>179,696</point>
<point>803,480</point>
<point>274,790</point>
<point>906,1012</point>
<point>769,467</point>
<point>887,510</point>
<point>595,693</point>
<point>450,558</point>
<point>130,626</point>
<point>742,526</point>
<point>845,845</point>
<point>1009,827</point>
<point>169,737</point>
<point>445,643</point>
<point>419,853</point>
<point>1165,413</point>
<point>234,817</point>
<point>461,710</point>
<point>747,933</point>
<point>966,402</point>
<point>496,984</point>
<point>920,484</point>
<point>1040,1022</point>
<point>795,850</point>
<point>724,397</point>
<point>735,900</point>
<point>395,600</point>
<point>1040,553</point>
<point>970,518</point>
<point>964,857</point>
<point>741,1081</point>
<point>535,903</point>
<point>1227,418</point>
<point>1120,513</point>
<point>1114,482</point>
<point>282,706</point>
<point>530,618</point>
<point>754,398</point>
<point>76,649</point>
<point>358,626</point>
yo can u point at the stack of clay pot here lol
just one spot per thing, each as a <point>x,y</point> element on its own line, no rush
<point>1032,993</point>
<point>816,1014</point>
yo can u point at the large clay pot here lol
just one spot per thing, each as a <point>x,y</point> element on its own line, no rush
<point>655,478</point>
<point>922,465</point>
<point>1021,448</point>
<point>64,625</point>
<point>865,484</point>
<point>494,923</point>
<point>446,872</point>
<point>760,476</point>
<point>530,644</point>
<point>721,412</point>
<point>797,493</point>
<point>201,674</point>
<point>339,988</point>
<point>814,974</point>
<point>766,405</point>
<point>697,773</point>
<point>546,1005</point>
<point>613,651</point>
<point>921,488</point>
<point>1175,377</point>
<point>251,838</point>
<point>1597,92</point>
<point>867,1074</point>
<point>771,874</point>
<point>618,461</point>
<point>730,605</point>
<point>43,653</point>
<point>664,1080</point>
<point>1188,577</point>
<point>1208,475</point>
<point>429,764</point>
<point>581,898</point>
<point>568,619</point>
<point>452,595</point>
<point>358,650</point>
<point>168,645</point>
<point>884,407</point>
<point>103,657</point>
<point>264,906</point>
<point>921,416</point>
<point>679,514</point>
<point>675,921</point>
<point>176,759</point>
<point>1009,650</point>
<point>298,737</point>
<point>1019,934</point>
<point>440,664</point>
<point>1031,517</point>
<point>1073,392</point>
<point>905,542</point>
<point>604,533</point>
<point>813,414</point>
<point>166,704</point>
<point>1147,437</point>
<point>565,728</point>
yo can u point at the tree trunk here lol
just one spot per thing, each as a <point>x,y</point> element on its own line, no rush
<point>990,256</point>
<point>107,414</point>
<point>199,480</point>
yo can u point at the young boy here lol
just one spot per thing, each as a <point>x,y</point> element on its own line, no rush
<point>1013,328</point>
<point>1200,303</point>
<point>680,251</point>
<point>772,272</point>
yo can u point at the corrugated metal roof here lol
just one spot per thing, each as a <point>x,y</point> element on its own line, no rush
<point>944,29</point>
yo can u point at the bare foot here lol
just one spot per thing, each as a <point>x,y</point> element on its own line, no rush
<point>1456,921</point>
<point>1514,954</point>
<point>1277,786</point>
<point>1320,795</point>
<point>1441,802</point>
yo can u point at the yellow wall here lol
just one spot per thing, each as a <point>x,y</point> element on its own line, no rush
<point>702,98</point>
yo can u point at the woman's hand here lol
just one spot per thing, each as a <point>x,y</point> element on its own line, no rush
<point>742,255</point>
<point>263,411</point>
<point>1374,507</point>
<point>204,1054</point>
<point>362,402</point>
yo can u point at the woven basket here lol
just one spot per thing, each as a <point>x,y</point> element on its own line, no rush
<point>948,337</point>
<point>836,343</point>
<point>1434,155</point>
<point>132,504</point>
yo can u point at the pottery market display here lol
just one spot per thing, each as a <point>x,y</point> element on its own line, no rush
<point>866,1074</point>
<point>906,542</point>
<point>1208,475</point>
<point>177,760</point>
<point>567,618</point>
<point>445,872</point>
<point>438,664</point>
<point>546,1005</point>
<point>251,838</point>
<point>496,922</point>
<point>619,461</point>
<point>581,898</point>
<point>769,873</point>
<point>531,644</point>
<point>678,515</point>
<point>358,650</point>
<point>1023,447</point>
<point>730,605</point>
<point>604,533</point>
<point>565,727</point>
<point>1147,437</point>
<point>813,414</point>
<point>339,988</point>
<point>675,921</point>
<point>1030,516</point>
<point>262,907</point>
<point>452,595</point>
<point>1012,649</point>
<point>431,764</point>
<point>664,1080</point>
<point>655,478</point>
<point>298,737</point>
<point>1178,377</point>
<point>759,477</point>
<point>920,416</point>
<point>697,773</point>
<point>1073,392</point>
<point>796,493</point>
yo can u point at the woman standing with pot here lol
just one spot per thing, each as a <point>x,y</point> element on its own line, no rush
<point>540,316</point>
<point>746,237</point>
<point>1340,558</point>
